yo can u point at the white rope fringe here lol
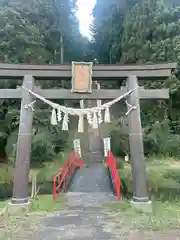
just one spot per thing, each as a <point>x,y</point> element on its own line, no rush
<point>107,116</point>
<point>95,121</point>
<point>81,124</point>
<point>89,118</point>
<point>59,115</point>
<point>100,117</point>
<point>53,117</point>
<point>65,122</point>
<point>81,119</point>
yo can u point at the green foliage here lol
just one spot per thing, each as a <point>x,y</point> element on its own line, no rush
<point>107,29</point>
<point>137,32</point>
<point>151,33</point>
<point>119,139</point>
<point>42,149</point>
<point>34,28</point>
<point>119,164</point>
<point>163,179</point>
<point>45,144</point>
<point>158,139</point>
<point>31,32</point>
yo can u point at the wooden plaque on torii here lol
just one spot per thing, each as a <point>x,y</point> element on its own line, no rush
<point>82,77</point>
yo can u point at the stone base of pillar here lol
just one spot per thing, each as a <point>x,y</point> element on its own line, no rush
<point>18,209</point>
<point>142,206</point>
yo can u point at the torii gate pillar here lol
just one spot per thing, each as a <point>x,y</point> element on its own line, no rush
<point>139,180</point>
<point>21,170</point>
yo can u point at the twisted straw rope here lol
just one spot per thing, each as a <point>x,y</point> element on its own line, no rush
<point>78,111</point>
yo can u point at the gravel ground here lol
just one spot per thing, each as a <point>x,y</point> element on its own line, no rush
<point>85,223</point>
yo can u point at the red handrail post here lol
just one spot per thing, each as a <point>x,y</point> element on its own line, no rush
<point>73,161</point>
<point>54,189</point>
<point>59,184</point>
<point>111,163</point>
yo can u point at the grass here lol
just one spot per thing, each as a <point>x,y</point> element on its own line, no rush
<point>45,203</point>
<point>163,178</point>
<point>164,182</point>
<point>42,205</point>
<point>165,215</point>
<point>3,204</point>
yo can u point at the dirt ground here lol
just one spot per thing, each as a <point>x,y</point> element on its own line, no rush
<point>87,219</point>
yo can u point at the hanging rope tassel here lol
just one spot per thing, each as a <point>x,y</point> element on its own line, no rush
<point>89,118</point>
<point>65,122</point>
<point>81,118</point>
<point>99,112</point>
<point>107,116</point>
<point>53,117</point>
<point>95,121</point>
<point>100,117</point>
<point>59,115</point>
<point>81,124</point>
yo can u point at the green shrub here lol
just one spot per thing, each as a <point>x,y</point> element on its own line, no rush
<point>11,146</point>
<point>6,175</point>
<point>173,143</point>
<point>126,181</point>
<point>119,164</point>
<point>119,143</point>
<point>163,181</point>
<point>42,149</point>
<point>6,179</point>
<point>158,140</point>
<point>59,138</point>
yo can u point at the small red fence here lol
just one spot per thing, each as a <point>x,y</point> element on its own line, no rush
<point>61,179</point>
<point>111,163</point>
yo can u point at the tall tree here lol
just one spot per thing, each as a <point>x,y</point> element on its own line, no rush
<point>151,35</point>
<point>107,28</point>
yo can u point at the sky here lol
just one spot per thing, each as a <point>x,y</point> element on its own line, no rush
<point>84,15</point>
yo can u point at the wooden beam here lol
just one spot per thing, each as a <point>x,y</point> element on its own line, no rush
<point>96,94</point>
<point>15,71</point>
<point>99,67</point>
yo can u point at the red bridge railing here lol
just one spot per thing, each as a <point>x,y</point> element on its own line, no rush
<point>61,179</point>
<point>111,163</point>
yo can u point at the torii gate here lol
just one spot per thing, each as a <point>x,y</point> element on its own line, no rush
<point>100,72</point>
